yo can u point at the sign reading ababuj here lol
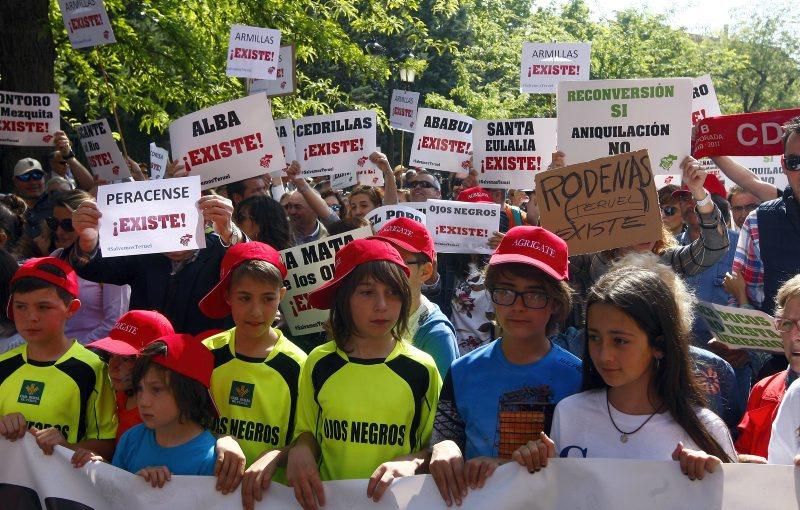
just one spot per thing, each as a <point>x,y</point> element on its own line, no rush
<point>509,153</point>
<point>285,81</point>
<point>170,221</point>
<point>607,117</point>
<point>158,161</point>
<point>228,142</point>
<point>404,110</point>
<point>101,150</point>
<point>309,266</point>
<point>462,227</point>
<point>86,22</point>
<point>741,328</point>
<point>743,134</point>
<point>704,99</point>
<point>285,130</point>
<point>337,141</point>
<point>380,215</point>
<point>602,204</point>
<point>253,52</point>
<point>28,119</point>
<point>442,141</point>
<point>544,65</point>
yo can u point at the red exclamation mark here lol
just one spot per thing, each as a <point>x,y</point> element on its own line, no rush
<point>469,148</point>
<point>419,142</point>
<point>361,144</point>
<point>183,219</point>
<point>538,162</point>
<point>483,165</point>
<point>260,143</point>
<point>186,164</point>
<point>115,229</point>
<point>305,154</point>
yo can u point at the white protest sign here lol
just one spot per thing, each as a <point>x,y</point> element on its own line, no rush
<point>228,142</point>
<point>607,117</point>
<point>442,141</point>
<point>343,180</point>
<point>285,81</point>
<point>158,161</point>
<point>28,119</point>
<point>253,52</point>
<point>662,180</point>
<point>741,328</point>
<point>419,206</point>
<point>101,150</point>
<point>462,227</point>
<point>369,174</point>
<point>337,141</point>
<point>509,153</point>
<point>150,217</point>
<point>86,22</point>
<point>380,215</point>
<point>767,168</point>
<point>310,265</point>
<point>544,65</point>
<point>403,111</point>
<point>704,99</point>
<point>285,130</point>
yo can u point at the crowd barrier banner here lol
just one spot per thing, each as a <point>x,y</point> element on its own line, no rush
<point>544,65</point>
<point>105,158</point>
<point>253,52</point>
<point>28,119</point>
<point>337,141</point>
<point>87,23</point>
<point>29,479</point>
<point>442,141</point>
<point>285,82</point>
<point>158,161</point>
<point>741,328</point>
<point>403,113</point>
<point>743,134</point>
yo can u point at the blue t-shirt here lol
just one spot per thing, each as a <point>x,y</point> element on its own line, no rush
<point>436,336</point>
<point>137,449</point>
<point>498,405</point>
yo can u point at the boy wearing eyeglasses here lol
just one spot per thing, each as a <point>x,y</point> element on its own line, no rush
<point>503,394</point>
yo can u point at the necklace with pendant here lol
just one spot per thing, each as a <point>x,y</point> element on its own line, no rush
<point>623,438</point>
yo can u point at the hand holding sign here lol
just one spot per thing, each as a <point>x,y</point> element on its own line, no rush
<point>219,211</point>
<point>86,222</point>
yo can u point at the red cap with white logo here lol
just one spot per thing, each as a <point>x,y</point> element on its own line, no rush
<point>476,195</point>
<point>409,235</point>
<point>536,247</point>
<point>133,331</point>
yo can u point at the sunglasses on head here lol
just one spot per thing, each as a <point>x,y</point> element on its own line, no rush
<point>54,223</point>
<point>421,184</point>
<point>669,210</point>
<point>792,162</point>
<point>36,175</point>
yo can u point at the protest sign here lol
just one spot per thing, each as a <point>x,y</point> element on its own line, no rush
<point>253,52</point>
<point>603,118</point>
<point>602,204</point>
<point>228,142</point>
<point>743,134</point>
<point>544,65</point>
<point>150,217</point>
<point>741,328</point>
<point>380,215</point>
<point>404,110</point>
<point>310,265</point>
<point>86,22</point>
<point>369,174</point>
<point>28,119</point>
<point>662,180</point>
<point>338,141</point>
<point>462,227</point>
<point>101,150</point>
<point>767,168</point>
<point>509,153</point>
<point>158,161</point>
<point>419,206</point>
<point>285,82</point>
<point>442,141</point>
<point>704,99</point>
<point>285,130</point>
<point>343,180</point>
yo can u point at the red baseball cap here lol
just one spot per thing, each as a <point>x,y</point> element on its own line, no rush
<point>409,235</point>
<point>535,246</point>
<point>186,356</point>
<point>712,184</point>
<point>348,258</point>
<point>213,304</point>
<point>32,269</point>
<point>475,195</point>
<point>133,331</point>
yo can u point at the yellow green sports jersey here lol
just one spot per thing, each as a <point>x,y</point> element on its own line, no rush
<point>366,412</point>
<point>256,397</point>
<point>72,394</point>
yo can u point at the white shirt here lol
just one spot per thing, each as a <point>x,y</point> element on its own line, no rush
<point>784,443</point>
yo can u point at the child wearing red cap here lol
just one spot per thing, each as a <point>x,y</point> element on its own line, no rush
<point>256,368</point>
<point>499,396</point>
<point>172,377</point>
<point>367,398</point>
<point>52,386</point>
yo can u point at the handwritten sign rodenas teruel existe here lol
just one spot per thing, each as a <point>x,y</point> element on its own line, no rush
<point>601,204</point>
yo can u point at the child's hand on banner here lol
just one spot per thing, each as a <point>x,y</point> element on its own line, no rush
<point>157,476</point>
<point>48,439</point>
<point>695,463</point>
<point>534,454</point>
<point>447,469</point>
<point>230,463</point>
<point>13,426</point>
<point>81,457</point>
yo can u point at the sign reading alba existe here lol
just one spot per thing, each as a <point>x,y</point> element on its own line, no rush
<point>442,141</point>
<point>325,143</point>
<point>86,22</point>
<point>101,150</point>
<point>253,52</point>
<point>607,117</point>
<point>602,204</point>
<point>544,65</point>
<point>509,153</point>
<point>741,328</point>
<point>150,217</point>
<point>228,142</point>
<point>28,119</point>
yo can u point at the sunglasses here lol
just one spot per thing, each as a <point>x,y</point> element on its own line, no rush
<point>792,162</point>
<point>36,175</point>
<point>669,210</point>
<point>54,223</point>
<point>421,184</point>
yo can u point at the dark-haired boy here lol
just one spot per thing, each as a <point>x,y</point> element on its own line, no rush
<point>52,385</point>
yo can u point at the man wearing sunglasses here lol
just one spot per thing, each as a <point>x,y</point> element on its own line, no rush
<point>29,185</point>
<point>63,163</point>
<point>423,186</point>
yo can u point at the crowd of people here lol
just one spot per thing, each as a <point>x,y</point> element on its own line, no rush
<point>448,364</point>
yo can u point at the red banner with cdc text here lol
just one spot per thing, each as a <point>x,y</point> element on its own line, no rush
<point>744,134</point>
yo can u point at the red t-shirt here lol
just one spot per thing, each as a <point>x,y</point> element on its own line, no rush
<point>762,407</point>
<point>127,417</point>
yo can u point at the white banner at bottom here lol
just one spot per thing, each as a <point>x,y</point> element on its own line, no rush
<point>29,479</point>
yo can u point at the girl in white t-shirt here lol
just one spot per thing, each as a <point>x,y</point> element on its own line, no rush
<point>640,399</point>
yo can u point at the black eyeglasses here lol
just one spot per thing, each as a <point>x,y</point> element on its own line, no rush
<point>792,162</point>
<point>507,297</point>
<point>421,184</point>
<point>36,175</point>
<point>746,208</point>
<point>669,210</point>
<point>54,223</point>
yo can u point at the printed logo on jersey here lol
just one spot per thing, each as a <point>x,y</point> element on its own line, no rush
<point>31,392</point>
<point>241,394</point>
